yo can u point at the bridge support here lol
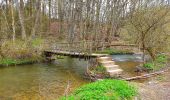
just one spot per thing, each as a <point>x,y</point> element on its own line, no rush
<point>48,56</point>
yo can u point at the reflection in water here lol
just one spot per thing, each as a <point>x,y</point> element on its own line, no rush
<point>48,81</point>
<point>128,67</point>
<point>41,81</point>
<point>128,63</point>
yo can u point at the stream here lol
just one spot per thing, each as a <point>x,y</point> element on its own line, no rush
<point>46,81</point>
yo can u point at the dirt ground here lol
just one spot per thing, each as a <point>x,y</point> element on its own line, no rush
<point>158,88</point>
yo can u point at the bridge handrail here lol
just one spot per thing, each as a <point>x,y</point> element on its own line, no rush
<point>82,46</point>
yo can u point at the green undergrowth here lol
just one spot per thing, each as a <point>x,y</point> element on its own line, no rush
<point>158,63</point>
<point>99,69</point>
<point>8,61</point>
<point>114,51</point>
<point>104,90</point>
<point>21,52</point>
<point>59,57</point>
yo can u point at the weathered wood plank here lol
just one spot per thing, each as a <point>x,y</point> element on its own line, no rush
<point>75,54</point>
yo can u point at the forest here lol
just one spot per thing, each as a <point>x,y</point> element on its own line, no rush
<point>30,27</point>
<point>142,22</point>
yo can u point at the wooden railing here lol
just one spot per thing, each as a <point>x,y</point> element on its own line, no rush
<point>83,46</point>
<point>71,47</point>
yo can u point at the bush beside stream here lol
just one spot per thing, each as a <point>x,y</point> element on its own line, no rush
<point>104,90</point>
<point>20,52</point>
<point>158,63</point>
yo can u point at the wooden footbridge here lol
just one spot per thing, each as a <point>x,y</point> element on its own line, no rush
<point>75,49</point>
<point>84,49</point>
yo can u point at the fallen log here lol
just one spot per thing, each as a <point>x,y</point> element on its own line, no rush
<point>146,75</point>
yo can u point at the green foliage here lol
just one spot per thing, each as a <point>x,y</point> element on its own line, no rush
<point>161,58</point>
<point>20,52</point>
<point>9,61</point>
<point>36,42</point>
<point>100,68</point>
<point>59,57</point>
<point>149,65</point>
<point>104,90</point>
<point>158,63</point>
<point>114,51</point>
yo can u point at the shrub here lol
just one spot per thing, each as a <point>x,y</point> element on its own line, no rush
<point>20,52</point>
<point>161,58</point>
<point>158,63</point>
<point>7,62</point>
<point>149,65</point>
<point>104,90</point>
<point>100,68</point>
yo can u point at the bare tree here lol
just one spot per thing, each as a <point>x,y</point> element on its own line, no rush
<point>37,16</point>
<point>13,19</point>
<point>148,26</point>
<point>21,18</point>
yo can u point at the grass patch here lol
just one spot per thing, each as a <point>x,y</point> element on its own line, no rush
<point>9,61</point>
<point>149,65</point>
<point>114,51</point>
<point>100,69</point>
<point>104,90</point>
<point>158,63</point>
<point>21,52</point>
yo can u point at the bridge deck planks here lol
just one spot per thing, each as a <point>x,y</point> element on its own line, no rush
<point>75,54</point>
<point>78,49</point>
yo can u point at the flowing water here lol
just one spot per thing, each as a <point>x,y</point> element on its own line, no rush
<point>128,63</point>
<point>50,81</point>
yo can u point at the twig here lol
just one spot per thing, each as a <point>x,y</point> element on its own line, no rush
<point>67,89</point>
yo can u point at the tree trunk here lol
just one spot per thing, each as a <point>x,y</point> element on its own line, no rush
<point>151,53</point>
<point>13,20</point>
<point>21,19</point>
<point>49,16</point>
<point>34,29</point>
<point>143,49</point>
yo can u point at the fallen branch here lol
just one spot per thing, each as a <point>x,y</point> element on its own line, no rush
<point>146,75</point>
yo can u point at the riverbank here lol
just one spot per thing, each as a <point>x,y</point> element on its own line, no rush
<point>21,52</point>
<point>13,62</point>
